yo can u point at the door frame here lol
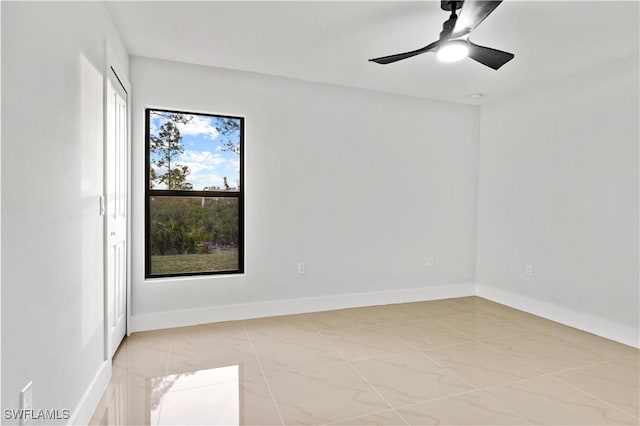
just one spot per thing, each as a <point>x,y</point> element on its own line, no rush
<point>115,69</point>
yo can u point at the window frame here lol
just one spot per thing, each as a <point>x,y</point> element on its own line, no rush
<point>148,193</point>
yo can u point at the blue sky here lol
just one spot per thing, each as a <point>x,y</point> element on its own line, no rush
<point>203,153</point>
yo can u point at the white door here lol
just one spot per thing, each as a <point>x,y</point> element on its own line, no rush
<point>116,210</point>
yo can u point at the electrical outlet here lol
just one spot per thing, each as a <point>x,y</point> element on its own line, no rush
<point>26,402</point>
<point>430,262</point>
<point>528,270</point>
<point>302,268</point>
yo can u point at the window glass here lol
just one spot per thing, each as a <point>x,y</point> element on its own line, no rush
<point>194,194</point>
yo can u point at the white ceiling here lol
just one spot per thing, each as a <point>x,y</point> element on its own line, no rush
<point>331,41</point>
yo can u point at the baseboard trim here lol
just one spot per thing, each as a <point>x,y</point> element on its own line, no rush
<point>168,319</point>
<point>582,321</point>
<point>85,408</point>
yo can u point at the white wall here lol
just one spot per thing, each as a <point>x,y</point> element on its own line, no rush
<point>559,190</point>
<point>360,185</point>
<point>53,58</point>
<point>0,208</point>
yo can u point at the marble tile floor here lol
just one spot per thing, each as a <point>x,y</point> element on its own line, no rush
<point>464,361</point>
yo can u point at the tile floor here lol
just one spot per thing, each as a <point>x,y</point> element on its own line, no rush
<point>465,361</point>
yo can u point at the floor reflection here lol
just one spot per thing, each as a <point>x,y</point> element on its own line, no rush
<point>209,397</point>
<point>205,397</point>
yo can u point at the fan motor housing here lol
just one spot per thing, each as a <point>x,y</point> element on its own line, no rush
<point>448,5</point>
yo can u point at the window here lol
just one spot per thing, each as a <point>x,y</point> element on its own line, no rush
<point>194,194</point>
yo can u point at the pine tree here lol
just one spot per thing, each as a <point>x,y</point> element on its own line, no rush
<point>165,149</point>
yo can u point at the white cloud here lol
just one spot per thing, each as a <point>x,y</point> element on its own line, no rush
<point>199,125</point>
<point>201,180</point>
<point>234,165</point>
<point>200,161</point>
<point>205,167</point>
<point>202,157</point>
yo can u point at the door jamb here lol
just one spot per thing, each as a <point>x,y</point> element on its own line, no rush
<point>113,66</point>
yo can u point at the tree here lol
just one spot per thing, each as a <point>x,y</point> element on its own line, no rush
<point>152,177</point>
<point>176,117</point>
<point>176,178</point>
<point>229,130</point>
<point>165,149</point>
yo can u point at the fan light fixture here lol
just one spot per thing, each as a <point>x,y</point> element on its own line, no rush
<point>453,43</point>
<point>453,51</point>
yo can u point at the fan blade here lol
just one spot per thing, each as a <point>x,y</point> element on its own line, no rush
<point>471,15</point>
<point>400,56</point>
<point>487,56</point>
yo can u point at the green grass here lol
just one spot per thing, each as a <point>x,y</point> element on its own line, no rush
<point>226,260</point>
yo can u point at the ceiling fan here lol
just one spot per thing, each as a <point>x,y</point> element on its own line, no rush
<point>454,43</point>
